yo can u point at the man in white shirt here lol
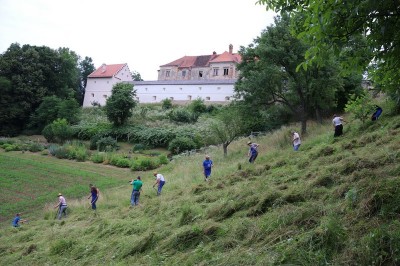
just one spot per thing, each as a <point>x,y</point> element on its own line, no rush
<point>160,181</point>
<point>337,124</point>
<point>296,141</point>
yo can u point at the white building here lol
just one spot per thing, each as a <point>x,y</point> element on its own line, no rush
<point>208,77</point>
<point>184,90</point>
<point>101,81</point>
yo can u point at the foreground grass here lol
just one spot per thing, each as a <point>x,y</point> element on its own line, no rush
<point>336,202</point>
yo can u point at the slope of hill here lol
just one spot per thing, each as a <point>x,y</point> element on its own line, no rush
<point>336,202</point>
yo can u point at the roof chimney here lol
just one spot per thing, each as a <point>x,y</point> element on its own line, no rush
<point>103,68</point>
<point>230,48</point>
<point>214,53</point>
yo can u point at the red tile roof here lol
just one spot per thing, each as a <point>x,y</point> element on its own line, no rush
<point>203,60</point>
<point>227,57</point>
<point>106,71</point>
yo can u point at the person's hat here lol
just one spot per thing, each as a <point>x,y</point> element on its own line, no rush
<point>249,142</point>
<point>59,194</point>
<point>155,173</point>
<point>207,156</point>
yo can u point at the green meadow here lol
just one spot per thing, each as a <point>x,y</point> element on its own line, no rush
<point>334,202</point>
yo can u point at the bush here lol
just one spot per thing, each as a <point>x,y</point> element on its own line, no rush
<point>181,144</point>
<point>35,147</point>
<point>120,161</point>
<point>98,157</point>
<point>144,164</point>
<point>197,106</point>
<point>59,131</point>
<point>162,159</point>
<point>139,147</point>
<point>107,144</point>
<point>183,115</point>
<point>166,104</point>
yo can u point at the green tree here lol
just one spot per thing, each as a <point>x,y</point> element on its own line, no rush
<point>120,104</point>
<point>86,67</point>
<point>33,72</point>
<point>340,24</point>
<point>136,76</point>
<point>268,74</point>
<point>361,107</point>
<point>59,131</point>
<point>228,126</point>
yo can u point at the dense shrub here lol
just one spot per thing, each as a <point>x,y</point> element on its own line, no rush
<point>107,144</point>
<point>59,131</point>
<point>181,144</point>
<point>197,106</point>
<point>120,161</point>
<point>163,159</point>
<point>98,157</point>
<point>138,147</point>
<point>183,115</point>
<point>144,164</point>
<point>166,104</point>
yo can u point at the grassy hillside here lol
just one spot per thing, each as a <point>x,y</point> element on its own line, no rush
<point>336,202</point>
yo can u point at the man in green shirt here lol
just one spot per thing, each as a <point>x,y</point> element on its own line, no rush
<point>137,187</point>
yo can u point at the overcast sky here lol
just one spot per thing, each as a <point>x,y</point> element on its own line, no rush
<point>143,33</point>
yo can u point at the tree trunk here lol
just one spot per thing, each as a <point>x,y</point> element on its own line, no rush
<point>225,147</point>
<point>318,115</point>
<point>303,119</point>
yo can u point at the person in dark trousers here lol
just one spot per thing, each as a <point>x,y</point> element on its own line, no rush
<point>62,206</point>
<point>160,182</point>
<point>337,122</point>
<point>207,165</point>
<point>17,219</point>
<point>94,194</point>
<point>253,151</point>
<point>377,113</point>
<point>137,187</point>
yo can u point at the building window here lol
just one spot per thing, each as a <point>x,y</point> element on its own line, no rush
<point>199,88</point>
<point>167,73</point>
<point>180,88</point>
<point>226,71</point>
<point>218,88</point>
<point>171,98</point>
<point>163,89</point>
<point>105,96</point>
<point>183,73</point>
<point>145,89</point>
<point>200,74</point>
<point>189,97</point>
<point>208,98</point>
<point>108,81</point>
<point>154,98</point>
<point>92,94</point>
<point>215,71</point>
<point>227,98</point>
<point>95,81</point>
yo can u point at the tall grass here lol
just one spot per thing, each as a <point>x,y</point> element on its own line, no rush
<point>335,201</point>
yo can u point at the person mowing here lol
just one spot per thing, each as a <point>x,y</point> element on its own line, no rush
<point>253,151</point>
<point>160,181</point>
<point>207,165</point>
<point>62,206</point>
<point>137,187</point>
<point>17,219</point>
<point>94,194</point>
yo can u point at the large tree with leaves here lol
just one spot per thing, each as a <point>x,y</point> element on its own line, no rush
<point>120,104</point>
<point>333,25</point>
<point>30,73</point>
<point>269,74</point>
<point>86,67</point>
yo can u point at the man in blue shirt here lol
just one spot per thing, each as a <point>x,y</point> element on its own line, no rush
<point>207,165</point>
<point>253,151</point>
<point>18,220</point>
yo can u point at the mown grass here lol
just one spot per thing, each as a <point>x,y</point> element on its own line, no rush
<point>336,202</point>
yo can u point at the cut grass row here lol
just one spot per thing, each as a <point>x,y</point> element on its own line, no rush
<point>28,181</point>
